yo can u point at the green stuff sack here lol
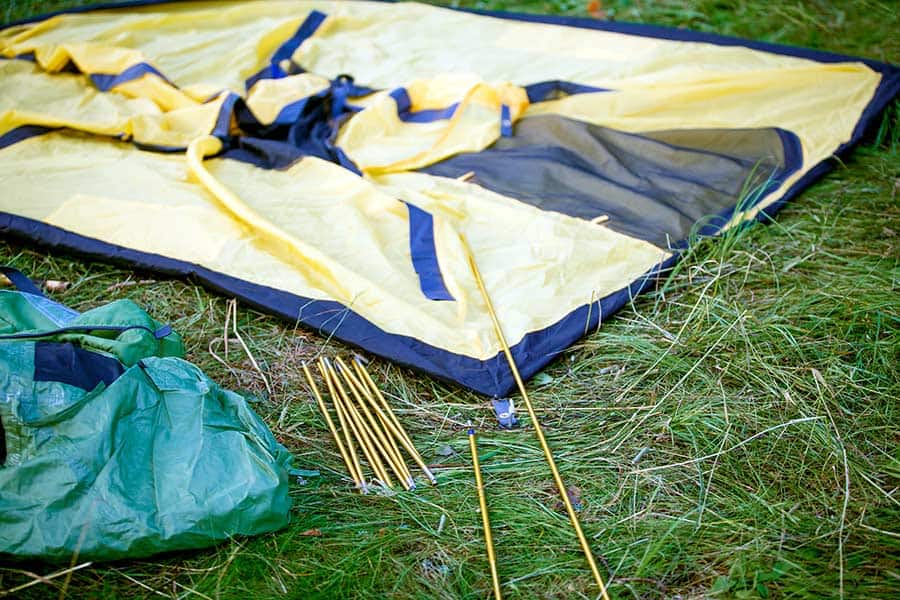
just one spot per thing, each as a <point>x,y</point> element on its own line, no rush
<point>113,446</point>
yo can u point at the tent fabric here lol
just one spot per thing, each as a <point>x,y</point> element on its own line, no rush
<point>321,160</point>
<point>112,445</point>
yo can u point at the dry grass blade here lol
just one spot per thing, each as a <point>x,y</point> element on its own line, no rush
<point>232,308</point>
<point>37,579</point>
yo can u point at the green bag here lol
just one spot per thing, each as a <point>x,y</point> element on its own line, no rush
<point>112,445</point>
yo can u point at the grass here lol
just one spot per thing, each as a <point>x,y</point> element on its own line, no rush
<point>732,434</point>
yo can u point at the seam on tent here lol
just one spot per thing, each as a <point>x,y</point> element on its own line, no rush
<point>424,254</point>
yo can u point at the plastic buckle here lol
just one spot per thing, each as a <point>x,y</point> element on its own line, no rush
<point>505,411</point>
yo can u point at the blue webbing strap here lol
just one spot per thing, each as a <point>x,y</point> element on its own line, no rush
<point>20,281</point>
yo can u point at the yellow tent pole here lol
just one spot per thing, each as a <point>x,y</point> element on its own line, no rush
<point>485,519</point>
<point>378,420</point>
<point>396,427</point>
<point>345,426</point>
<point>362,432</point>
<point>373,427</point>
<point>337,438</point>
<point>588,554</point>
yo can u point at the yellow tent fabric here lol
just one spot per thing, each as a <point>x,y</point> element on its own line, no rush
<point>314,159</point>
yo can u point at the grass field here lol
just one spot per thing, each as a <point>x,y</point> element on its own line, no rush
<point>733,434</point>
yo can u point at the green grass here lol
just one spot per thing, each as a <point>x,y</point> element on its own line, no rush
<point>733,434</point>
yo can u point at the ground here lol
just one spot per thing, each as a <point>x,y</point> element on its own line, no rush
<point>732,434</point>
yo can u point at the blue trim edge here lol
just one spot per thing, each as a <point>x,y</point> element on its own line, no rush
<point>284,52</point>
<point>491,377</point>
<point>22,132</point>
<point>105,82</point>
<point>424,254</point>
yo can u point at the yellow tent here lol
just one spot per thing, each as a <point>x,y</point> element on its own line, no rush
<point>321,160</point>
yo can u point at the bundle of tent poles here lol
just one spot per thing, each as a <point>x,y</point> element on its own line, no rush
<point>377,433</point>
<point>366,423</point>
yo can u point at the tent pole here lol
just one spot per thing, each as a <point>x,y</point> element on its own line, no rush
<point>588,554</point>
<point>345,425</point>
<point>382,420</point>
<point>485,519</point>
<point>359,428</point>
<point>379,439</point>
<point>357,477</point>
<point>396,427</point>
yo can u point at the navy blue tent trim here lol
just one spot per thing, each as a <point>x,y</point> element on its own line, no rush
<point>106,82</point>
<point>407,115</point>
<point>64,362</point>
<point>21,282</point>
<point>284,52</point>
<point>424,254</point>
<point>311,132</point>
<point>538,92</point>
<point>491,377</point>
<point>223,120</point>
<point>506,124</point>
<point>306,29</point>
<point>22,133</point>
